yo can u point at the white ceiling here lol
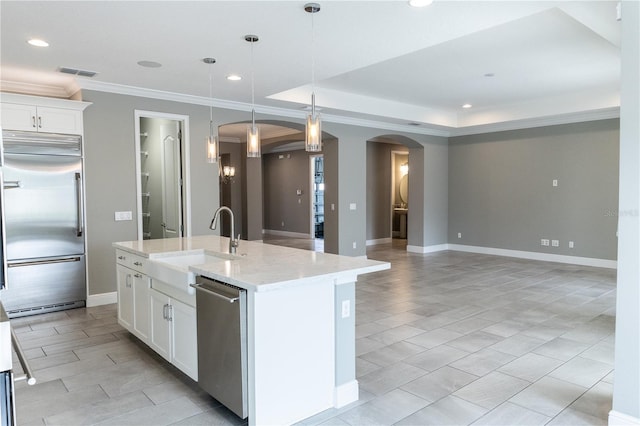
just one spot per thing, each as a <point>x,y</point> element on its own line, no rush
<point>374,60</point>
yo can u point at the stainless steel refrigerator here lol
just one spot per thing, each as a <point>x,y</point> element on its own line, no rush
<point>44,223</point>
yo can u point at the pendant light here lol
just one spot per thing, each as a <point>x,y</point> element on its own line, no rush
<point>253,131</point>
<point>213,146</point>
<point>313,131</point>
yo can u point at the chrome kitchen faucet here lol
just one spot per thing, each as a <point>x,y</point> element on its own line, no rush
<point>233,243</point>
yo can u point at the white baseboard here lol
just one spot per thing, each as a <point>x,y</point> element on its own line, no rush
<point>546,257</point>
<point>619,419</point>
<point>345,394</point>
<point>286,233</point>
<point>379,241</point>
<point>102,299</point>
<point>427,249</point>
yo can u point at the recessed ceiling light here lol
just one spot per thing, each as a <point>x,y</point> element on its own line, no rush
<point>467,106</point>
<point>149,64</point>
<point>38,42</point>
<point>420,3</point>
<point>234,77</point>
<point>489,74</point>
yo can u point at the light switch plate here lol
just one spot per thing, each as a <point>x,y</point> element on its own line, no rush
<point>119,216</point>
<point>352,206</point>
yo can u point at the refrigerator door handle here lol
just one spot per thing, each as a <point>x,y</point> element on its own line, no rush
<point>44,262</point>
<point>80,213</point>
<point>3,238</point>
<point>11,184</point>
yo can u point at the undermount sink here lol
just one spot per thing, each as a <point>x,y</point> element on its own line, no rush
<point>174,269</point>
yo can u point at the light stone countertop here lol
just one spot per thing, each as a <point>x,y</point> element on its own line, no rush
<point>257,266</point>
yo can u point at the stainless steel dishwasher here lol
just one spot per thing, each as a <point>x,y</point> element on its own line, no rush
<point>221,311</point>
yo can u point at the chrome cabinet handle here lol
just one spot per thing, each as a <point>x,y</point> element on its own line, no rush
<point>138,275</point>
<point>137,263</point>
<point>164,311</point>
<point>170,311</point>
<point>122,257</point>
<point>40,122</point>
<point>33,121</point>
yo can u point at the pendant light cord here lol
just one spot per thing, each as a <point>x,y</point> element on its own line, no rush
<point>313,57</point>
<point>253,99</point>
<point>211,99</point>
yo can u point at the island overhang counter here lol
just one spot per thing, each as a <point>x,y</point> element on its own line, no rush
<point>300,317</point>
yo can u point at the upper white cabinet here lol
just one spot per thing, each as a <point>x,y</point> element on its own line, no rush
<point>36,114</point>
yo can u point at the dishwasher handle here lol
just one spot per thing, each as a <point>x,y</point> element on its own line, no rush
<point>28,376</point>
<point>218,295</point>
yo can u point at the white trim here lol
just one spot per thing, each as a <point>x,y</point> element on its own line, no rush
<point>546,257</point>
<point>17,98</point>
<point>427,249</point>
<point>424,129</point>
<point>528,123</point>
<point>345,394</point>
<point>617,418</point>
<point>63,92</point>
<point>286,233</point>
<point>379,241</point>
<point>102,299</point>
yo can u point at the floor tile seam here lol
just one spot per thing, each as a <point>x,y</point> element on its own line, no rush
<point>539,412</point>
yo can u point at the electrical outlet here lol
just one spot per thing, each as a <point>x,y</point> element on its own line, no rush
<point>283,223</point>
<point>555,182</point>
<point>555,243</point>
<point>346,308</point>
<point>118,216</point>
<point>354,244</point>
<point>570,244</point>
<point>459,234</point>
<point>544,242</point>
<point>352,206</point>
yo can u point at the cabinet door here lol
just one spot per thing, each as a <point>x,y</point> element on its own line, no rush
<point>185,338</point>
<point>125,297</point>
<point>19,117</point>
<point>160,332</point>
<point>141,312</point>
<point>59,120</point>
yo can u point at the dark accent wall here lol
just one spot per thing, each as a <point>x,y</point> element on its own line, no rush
<point>283,174</point>
<point>501,193</point>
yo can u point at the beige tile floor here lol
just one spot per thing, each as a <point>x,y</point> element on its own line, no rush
<point>442,339</point>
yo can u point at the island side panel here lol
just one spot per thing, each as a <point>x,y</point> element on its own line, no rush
<point>346,385</point>
<point>291,353</point>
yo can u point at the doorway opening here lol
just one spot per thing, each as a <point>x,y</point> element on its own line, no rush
<point>162,171</point>
<point>399,193</point>
<point>317,198</point>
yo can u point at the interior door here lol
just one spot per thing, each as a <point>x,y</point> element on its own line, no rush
<point>171,181</point>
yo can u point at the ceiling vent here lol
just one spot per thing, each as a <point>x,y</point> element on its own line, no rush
<point>74,71</point>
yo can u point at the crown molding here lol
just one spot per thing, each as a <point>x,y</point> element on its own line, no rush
<point>527,123</point>
<point>582,116</point>
<point>241,106</point>
<point>34,89</point>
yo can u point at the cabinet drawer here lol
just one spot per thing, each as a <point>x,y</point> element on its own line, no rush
<point>133,261</point>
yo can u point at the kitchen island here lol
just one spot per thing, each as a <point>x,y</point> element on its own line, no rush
<point>300,317</point>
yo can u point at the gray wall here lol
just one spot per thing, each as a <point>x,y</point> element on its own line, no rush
<point>110,175</point>
<point>626,387</point>
<point>283,174</point>
<point>501,193</point>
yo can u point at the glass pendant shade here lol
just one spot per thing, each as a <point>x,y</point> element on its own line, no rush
<point>313,137</point>
<point>253,141</point>
<point>213,149</point>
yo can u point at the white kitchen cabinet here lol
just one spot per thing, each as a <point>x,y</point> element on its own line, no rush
<point>125,297</point>
<point>41,119</point>
<point>133,295</point>
<point>174,332</point>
